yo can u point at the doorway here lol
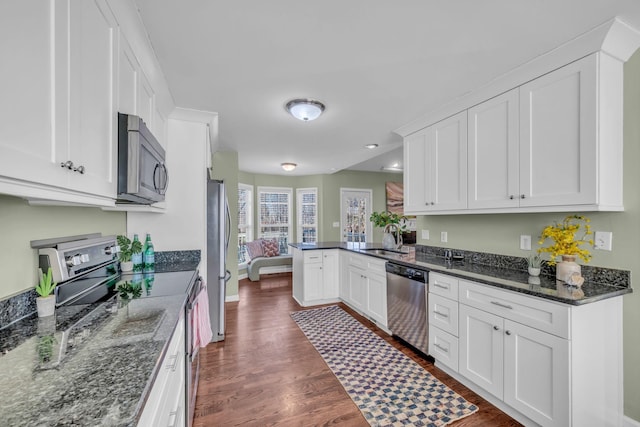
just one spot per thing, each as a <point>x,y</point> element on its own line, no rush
<point>355,210</point>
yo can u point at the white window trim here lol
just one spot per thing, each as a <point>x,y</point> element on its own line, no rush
<point>289,192</point>
<point>299,193</point>
<point>250,227</point>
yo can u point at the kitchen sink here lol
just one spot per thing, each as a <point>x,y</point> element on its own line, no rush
<point>386,252</point>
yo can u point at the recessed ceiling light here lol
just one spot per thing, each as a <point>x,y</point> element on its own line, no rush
<point>288,166</point>
<point>371,146</point>
<point>305,109</point>
<point>395,168</point>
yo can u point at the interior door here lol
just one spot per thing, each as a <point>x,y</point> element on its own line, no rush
<point>355,210</point>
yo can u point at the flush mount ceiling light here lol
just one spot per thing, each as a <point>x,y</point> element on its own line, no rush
<point>305,109</point>
<point>371,146</point>
<point>288,166</point>
<point>393,168</point>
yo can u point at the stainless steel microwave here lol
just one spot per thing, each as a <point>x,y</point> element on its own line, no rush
<point>142,173</point>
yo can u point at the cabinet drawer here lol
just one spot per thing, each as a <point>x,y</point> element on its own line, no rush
<point>358,261</point>
<point>311,257</point>
<point>531,311</point>
<point>443,313</point>
<point>376,266</point>
<point>443,285</point>
<point>443,347</point>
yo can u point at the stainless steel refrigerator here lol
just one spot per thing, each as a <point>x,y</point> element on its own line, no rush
<point>218,233</point>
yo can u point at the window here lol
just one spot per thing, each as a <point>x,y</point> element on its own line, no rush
<point>307,201</point>
<point>245,230</point>
<point>274,206</point>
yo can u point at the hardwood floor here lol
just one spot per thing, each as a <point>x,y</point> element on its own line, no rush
<point>267,373</point>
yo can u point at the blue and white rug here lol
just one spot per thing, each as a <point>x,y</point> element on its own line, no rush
<point>389,388</point>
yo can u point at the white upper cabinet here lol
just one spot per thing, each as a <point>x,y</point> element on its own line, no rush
<point>127,77</point>
<point>91,37</point>
<point>27,142</point>
<point>146,101</point>
<point>494,153</point>
<point>436,167</point>
<point>558,139</point>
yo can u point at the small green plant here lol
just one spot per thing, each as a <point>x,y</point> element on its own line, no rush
<point>127,248</point>
<point>535,261</point>
<point>382,219</point>
<point>46,285</point>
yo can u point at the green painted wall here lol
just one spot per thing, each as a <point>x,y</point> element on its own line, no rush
<point>501,234</point>
<point>20,223</point>
<point>225,167</point>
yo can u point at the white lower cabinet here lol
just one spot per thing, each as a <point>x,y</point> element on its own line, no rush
<point>165,404</point>
<point>364,287</point>
<point>534,358</point>
<point>316,276</point>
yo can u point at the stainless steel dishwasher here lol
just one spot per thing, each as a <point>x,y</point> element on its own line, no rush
<point>407,305</point>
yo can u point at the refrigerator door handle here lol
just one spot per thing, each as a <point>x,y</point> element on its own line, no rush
<point>227,276</point>
<point>227,236</point>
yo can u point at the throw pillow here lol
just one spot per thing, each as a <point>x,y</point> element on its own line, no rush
<point>254,249</point>
<point>270,247</point>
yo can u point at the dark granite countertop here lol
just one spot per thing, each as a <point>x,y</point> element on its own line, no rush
<point>109,358</point>
<point>516,280</point>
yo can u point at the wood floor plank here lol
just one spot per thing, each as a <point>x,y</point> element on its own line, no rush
<point>267,373</point>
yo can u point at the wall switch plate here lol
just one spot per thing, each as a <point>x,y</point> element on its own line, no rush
<point>525,242</point>
<point>443,236</point>
<point>336,224</point>
<point>602,240</point>
<point>425,234</point>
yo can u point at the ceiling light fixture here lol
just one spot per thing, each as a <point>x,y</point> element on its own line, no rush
<point>393,168</point>
<point>288,166</point>
<point>371,146</point>
<point>305,109</point>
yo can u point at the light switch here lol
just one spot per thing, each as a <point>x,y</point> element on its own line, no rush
<point>425,234</point>
<point>525,242</point>
<point>602,240</point>
<point>443,236</point>
<point>336,224</point>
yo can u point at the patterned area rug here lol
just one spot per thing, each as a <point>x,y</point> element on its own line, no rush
<point>389,388</point>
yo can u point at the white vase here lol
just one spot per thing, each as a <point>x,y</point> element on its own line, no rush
<point>388,241</point>
<point>567,267</point>
<point>126,266</point>
<point>534,271</point>
<point>46,305</point>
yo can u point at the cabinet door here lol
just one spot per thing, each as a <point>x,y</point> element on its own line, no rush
<point>92,124</point>
<point>146,100</point>
<point>481,349</point>
<point>345,285</point>
<point>377,298</point>
<point>357,288</point>
<point>558,146</point>
<point>417,181</point>
<point>494,153</point>
<point>27,104</point>
<point>330,274</point>
<point>536,374</point>
<point>127,83</point>
<point>449,164</point>
<point>312,282</point>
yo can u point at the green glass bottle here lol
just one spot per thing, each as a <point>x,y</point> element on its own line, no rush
<point>136,257</point>
<point>148,255</point>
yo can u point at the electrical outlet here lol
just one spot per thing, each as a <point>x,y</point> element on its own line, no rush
<point>425,234</point>
<point>443,236</point>
<point>602,240</point>
<point>525,242</point>
<point>336,224</point>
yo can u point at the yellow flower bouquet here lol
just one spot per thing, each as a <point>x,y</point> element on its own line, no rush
<point>564,238</point>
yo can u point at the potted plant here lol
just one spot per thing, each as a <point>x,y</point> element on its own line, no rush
<point>46,301</point>
<point>567,245</point>
<point>535,263</point>
<point>127,249</point>
<point>389,220</point>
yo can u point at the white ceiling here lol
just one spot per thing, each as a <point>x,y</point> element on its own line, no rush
<point>376,64</point>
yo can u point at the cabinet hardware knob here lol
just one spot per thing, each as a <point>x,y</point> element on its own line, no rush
<point>501,305</point>
<point>432,203</point>
<point>507,332</point>
<point>446,350</point>
<point>511,197</point>
<point>68,164</point>
<point>495,328</point>
<point>80,169</point>
<point>438,285</point>
<point>522,196</point>
<point>440,314</point>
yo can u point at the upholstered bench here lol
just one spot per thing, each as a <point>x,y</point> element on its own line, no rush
<point>265,253</point>
<point>253,269</point>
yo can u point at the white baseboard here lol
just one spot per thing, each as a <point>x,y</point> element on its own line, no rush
<point>276,269</point>
<point>232,298</point>
<point>242,276</point>
<point>630,422</point>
